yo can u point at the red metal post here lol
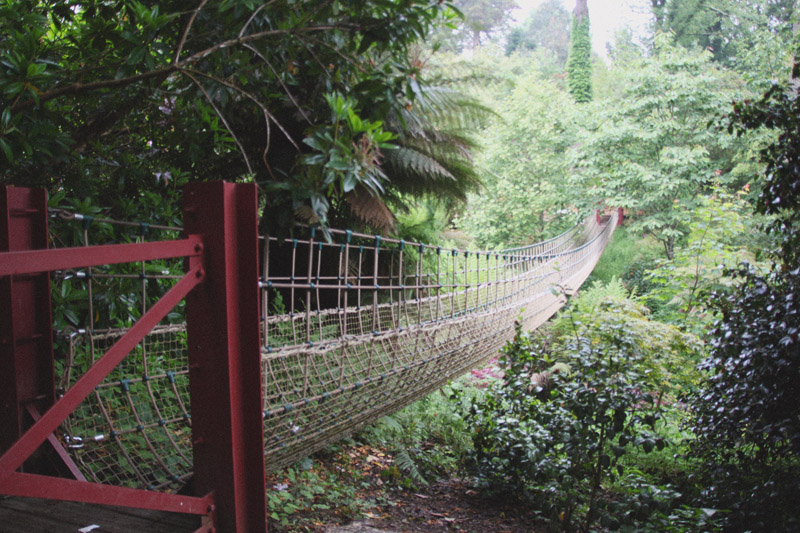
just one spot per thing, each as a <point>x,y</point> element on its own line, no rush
<point>26,340</point>
<point>224,355</point>
<point>620,216</point>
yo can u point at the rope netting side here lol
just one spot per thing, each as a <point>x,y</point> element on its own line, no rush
<point>134,429</point>
<point>401,320</point>
<point>353,328</point>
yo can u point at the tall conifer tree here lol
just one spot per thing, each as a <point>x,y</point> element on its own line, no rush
<point>579,62</point>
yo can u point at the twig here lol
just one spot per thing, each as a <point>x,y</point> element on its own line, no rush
<point>222,118</point>
<point>340,54</point>
<point>186,30</point>
<point>267,115</point>
<point>252,16</point>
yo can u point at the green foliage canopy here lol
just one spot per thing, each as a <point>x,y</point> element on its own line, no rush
<point>751,36</point>
<point>482,17</point>
<point>108,99</point>
<point>547,27</point>
<point>525,157</point>
<point>721,235</point>
<point>650,149</point>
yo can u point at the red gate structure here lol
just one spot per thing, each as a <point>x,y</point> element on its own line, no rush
<point>221,289</point>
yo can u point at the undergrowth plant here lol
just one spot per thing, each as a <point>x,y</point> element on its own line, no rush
<point>306,487</point>
<point>427,439</point>
<point>721,235</point>
<point>604,314</point>
<point>556,430</point>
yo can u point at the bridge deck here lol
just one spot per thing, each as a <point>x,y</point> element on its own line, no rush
<point>31,515</point>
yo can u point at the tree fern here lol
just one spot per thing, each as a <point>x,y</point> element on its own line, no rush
<point>431,158</point>
<point>434,154</point>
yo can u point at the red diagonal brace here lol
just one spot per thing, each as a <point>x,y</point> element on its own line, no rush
<point>36,435</point>
<point>58,448</point>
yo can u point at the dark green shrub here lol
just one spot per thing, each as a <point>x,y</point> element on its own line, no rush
<point>635,276</point>
<point>556,439</point>
<point>747,415</point>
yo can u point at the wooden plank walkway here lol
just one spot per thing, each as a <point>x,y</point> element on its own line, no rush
<point>30,515</point>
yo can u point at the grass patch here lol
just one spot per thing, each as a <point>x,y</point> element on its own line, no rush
<point>624,250</point>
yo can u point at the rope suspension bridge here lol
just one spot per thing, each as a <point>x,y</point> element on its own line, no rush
<point>352,327</point>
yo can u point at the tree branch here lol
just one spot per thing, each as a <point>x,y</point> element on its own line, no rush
<point>267,115</point>
<point>280,81</point>
<point>222,118</point>
<point>186,30</point>
<point>253,15</point>
<point>165,70</point>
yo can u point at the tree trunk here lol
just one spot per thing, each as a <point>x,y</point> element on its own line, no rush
<point>658,12</point>
<point>669,247</point>
<point>581,9</point>
<point>476,39</point>
<point>794,81</point>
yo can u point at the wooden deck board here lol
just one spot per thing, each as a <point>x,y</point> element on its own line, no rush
<point>30,515</point>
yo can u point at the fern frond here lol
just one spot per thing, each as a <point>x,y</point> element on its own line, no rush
<point>371,209</point>
<point>417,163</point>
<point>392,424</point>
<point>406,463</point>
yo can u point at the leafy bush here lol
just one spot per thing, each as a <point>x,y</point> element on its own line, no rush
<point>721,234</point>
<point>603,315</point>
<point>673,465</point>
<point>656,508</point>
<point>557,438</point>
<point>636,279</point>
<point>747,417</point>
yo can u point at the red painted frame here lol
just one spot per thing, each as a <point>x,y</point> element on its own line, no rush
<point>26,341</point>
<point>224,355</point>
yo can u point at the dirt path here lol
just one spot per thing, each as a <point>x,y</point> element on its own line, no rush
<point>447,506</point>
<point>377,503</point>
